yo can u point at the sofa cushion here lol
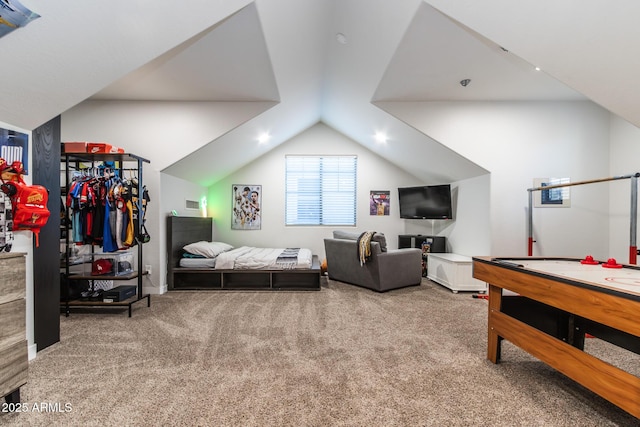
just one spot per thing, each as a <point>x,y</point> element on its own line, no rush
<point>381,239</point>
<point>353,235</point>
<point>346,235</point>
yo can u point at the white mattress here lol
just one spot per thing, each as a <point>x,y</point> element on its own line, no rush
<point>198,262</point>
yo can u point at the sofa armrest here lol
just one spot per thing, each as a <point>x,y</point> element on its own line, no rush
<point>401,267</point>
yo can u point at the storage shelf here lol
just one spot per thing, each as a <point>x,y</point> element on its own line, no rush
<point>72,161</point>
<point>66,306</point>
<point>106,157</point>
<point>128,276</point>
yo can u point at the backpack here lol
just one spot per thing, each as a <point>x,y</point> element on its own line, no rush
<point>29,203</point>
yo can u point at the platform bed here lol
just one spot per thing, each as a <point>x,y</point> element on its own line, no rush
<point>184,230</point>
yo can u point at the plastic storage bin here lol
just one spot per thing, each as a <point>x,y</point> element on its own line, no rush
<point>108,264</point>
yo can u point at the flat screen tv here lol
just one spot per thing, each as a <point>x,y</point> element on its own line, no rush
<point>426,202</point>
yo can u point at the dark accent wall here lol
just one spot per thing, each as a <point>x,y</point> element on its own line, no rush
<point>45,170</point>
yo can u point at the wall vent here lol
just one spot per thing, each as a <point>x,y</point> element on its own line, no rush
<point>192,204</point>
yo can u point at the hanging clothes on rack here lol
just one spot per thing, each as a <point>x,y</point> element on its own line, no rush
<point>100,192</point>
<point>128,228</point>
<point>108,238</point>
<point>80,200</point>
<point>103,208</point>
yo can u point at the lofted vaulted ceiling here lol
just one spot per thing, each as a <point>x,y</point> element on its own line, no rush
<point>331,61</point>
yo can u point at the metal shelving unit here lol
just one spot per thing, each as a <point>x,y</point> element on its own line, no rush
<point>124,162</point>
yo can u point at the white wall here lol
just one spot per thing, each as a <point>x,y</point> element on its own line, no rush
<point>520,141</point>
<point>471,233</point>
<point>163,132</point>
<point>625,160</point>
<point>175,192</point>
<point>374,173</point>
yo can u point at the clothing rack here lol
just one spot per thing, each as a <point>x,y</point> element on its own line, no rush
<point>110,168</point>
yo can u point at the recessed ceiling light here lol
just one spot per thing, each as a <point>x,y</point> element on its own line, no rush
<point>537,68</point>
<point>381,137</point>
<point>265,137</point>
<point>342,39</point>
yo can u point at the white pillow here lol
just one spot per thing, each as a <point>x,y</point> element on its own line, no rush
<point>207,249</point>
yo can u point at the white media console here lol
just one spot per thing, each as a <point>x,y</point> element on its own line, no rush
<point>454,272</point>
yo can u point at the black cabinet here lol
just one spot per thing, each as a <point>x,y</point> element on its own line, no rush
<point>438,243</point>
<point>435,244</point>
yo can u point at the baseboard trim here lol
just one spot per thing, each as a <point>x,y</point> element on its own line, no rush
<point>32,350</point>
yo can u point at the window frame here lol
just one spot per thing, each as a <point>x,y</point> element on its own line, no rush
<point>328,197</point>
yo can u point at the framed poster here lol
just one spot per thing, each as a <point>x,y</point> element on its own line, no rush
<point>14,146</point>
<point>559,197</point>
<point>247,207</point>
<point>379,203</point>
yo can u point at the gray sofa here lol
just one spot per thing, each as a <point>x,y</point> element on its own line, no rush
<point>385,270</point>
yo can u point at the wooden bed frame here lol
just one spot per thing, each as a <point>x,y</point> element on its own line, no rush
<point>184,230</point>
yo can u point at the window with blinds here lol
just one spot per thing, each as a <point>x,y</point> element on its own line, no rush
<point>555,196</point>
<point>320,190</point>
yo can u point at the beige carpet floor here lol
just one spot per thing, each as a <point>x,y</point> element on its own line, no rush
<point>344,356</point>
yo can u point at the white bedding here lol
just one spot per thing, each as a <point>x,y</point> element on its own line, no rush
<point>251,258</point>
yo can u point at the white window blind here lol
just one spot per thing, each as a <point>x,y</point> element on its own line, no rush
<point>320,190</point>
<point>555,196</point>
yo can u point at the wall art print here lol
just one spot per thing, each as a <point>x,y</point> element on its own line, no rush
<point>14,15</point>
<point>559,197</point>
<point>379,203</point>
<point>14,146</point>
<point>247,207</point>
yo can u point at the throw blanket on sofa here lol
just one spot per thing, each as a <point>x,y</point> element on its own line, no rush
<point>364,246</point>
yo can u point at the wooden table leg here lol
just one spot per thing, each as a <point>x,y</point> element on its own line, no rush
<point>493,340</point>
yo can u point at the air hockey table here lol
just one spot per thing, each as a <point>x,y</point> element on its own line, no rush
<point>553,303</point>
